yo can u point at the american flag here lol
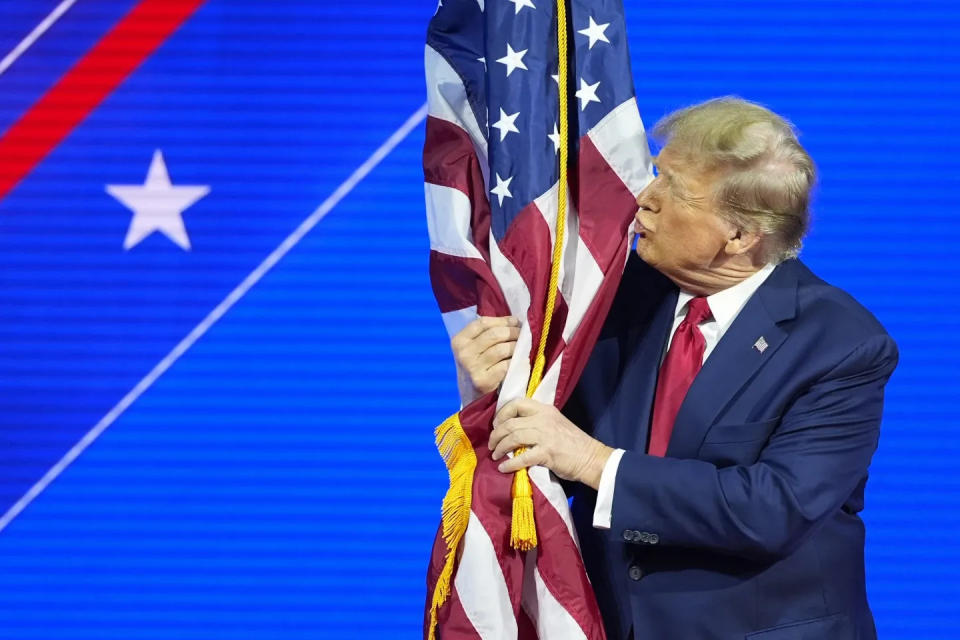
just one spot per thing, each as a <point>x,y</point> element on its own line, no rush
<point>492,175</point>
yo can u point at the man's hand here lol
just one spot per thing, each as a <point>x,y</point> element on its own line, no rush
<point>483,349</point>
<point>551,441</point>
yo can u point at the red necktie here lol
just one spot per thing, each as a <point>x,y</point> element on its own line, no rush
<point>679,368</point>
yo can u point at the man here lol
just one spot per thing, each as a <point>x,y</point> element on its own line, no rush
<point>717,443</point>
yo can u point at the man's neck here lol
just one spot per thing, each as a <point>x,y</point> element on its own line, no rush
<point>709,282</point>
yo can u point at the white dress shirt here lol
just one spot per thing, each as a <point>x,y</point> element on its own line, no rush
<point>724,306</point>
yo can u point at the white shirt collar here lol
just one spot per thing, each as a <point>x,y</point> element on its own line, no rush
<point>726,304</point>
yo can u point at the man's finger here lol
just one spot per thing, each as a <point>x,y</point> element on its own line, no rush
<point>520,407</point>
<point>529,458</point>
<point>497,353</point>
<point>494,336</point>
<point>523,437</point>
<point>477,326</point>
<point>503,430</point>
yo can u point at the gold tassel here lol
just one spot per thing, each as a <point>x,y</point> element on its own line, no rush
<point>461,461</point>
<point>523,530</point>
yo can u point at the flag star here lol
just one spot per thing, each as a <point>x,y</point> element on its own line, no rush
<point>520,4</point>
<point>556,78</point>
<point>555,136</point>
<point>595,32</point>
<point>483,59</point>
<point>505,123</point>
<point>157,205</point>
<point>502,190</point>
<point>513,60</point>
<point>587,93</point>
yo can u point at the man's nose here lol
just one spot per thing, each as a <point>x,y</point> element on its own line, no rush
<point>645,201</point>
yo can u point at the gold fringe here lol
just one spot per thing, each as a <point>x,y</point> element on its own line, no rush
<point>461,461</point>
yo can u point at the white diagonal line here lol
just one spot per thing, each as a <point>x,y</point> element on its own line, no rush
<point>32,37</point>
<point>241,289</point>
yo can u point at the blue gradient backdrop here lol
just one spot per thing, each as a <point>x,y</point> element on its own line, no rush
<point>279,481</point>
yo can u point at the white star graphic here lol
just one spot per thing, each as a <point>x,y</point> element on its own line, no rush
<point>513,60</point>
<point>520,4</point>
<point>556,78</point>
<point>502,189</point>
<point>595,32</point>
<point>587,93</point>
<point>505,123</point>
<point>157,205</point>
<point>555,136</point>
<point>483,59</point>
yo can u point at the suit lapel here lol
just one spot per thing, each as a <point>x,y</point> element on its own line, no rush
<point>736,358</point>
<point>631,414</point>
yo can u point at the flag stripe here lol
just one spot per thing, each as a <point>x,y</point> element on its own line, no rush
<point>86,84</point>
<point>449,213</point>
<point>561,570</point>
<point>454,280</point>
<point>483,587</point>
<point>602,193</point>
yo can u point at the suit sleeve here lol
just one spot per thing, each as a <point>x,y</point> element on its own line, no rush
<point>812,463</point>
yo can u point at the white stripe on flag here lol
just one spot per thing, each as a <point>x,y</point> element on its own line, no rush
<point>447,100</point>
<point>553,492</point>
<point>481,586</point>
<point>621,140</point>
<point>549,617</point>
<point>448,221</point>
<point>518,299</point>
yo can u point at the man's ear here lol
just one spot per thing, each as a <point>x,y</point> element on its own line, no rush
<point>740,241</point>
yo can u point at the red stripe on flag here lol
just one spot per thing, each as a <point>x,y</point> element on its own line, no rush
<point>525,628</point>
<point>454,280</point>
<point>527,246</point>
<point>582,342</point>
<point>454,622</point>
<point>86,84</point>
<point>604,203</point>
<point>562,569</point>
<point>450,160</point>
<point>491,503</point>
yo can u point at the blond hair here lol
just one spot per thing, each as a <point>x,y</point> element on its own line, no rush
<point>764,175</point>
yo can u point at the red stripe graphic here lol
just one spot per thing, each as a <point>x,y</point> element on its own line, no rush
<point>86,84</point>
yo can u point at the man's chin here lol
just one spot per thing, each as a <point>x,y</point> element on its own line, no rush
<point>642,250</point>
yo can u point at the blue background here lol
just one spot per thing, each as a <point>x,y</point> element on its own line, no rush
<point>280,481</point>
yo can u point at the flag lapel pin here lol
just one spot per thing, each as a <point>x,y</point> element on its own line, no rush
<point>760,345</point>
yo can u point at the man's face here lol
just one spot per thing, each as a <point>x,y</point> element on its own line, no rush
<point>678,231</point>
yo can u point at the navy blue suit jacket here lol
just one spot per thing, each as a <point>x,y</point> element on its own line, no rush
<point>748,527</point>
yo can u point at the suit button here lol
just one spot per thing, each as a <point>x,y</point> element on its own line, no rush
<point>628,535</point>
<point>654,538</point>
<point>635,572</point>
<point>644,536</point>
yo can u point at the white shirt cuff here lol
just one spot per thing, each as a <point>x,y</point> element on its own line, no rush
<point>603,512</point>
